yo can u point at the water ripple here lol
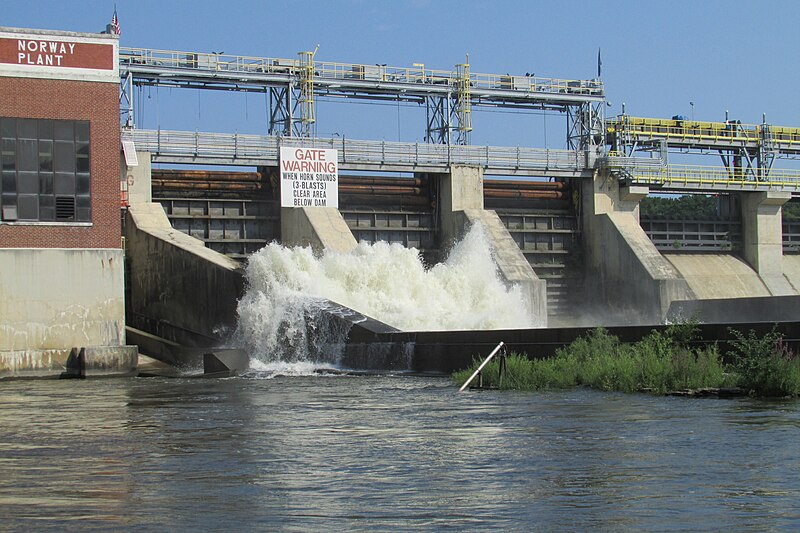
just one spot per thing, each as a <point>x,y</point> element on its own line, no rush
<point>344,453</point>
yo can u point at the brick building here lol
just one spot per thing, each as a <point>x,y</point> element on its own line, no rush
<point>61,257</point>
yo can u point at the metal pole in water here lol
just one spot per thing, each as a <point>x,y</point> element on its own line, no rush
<point>494,352</point>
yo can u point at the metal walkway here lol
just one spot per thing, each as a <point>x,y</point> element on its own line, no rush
<point>691,178</point>
<point>232,72</point>
<point>191,147</point>
<point>293,85</point>
<point>258,150</point>
<point>626,130</point>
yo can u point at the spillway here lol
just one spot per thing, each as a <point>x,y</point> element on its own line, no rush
<point>289,286</point>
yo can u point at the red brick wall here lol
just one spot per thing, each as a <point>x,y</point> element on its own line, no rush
<point>72,100</point>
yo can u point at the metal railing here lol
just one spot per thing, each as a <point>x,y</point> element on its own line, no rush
<point>326,70</point>
<point>616,161</point>
<point>685,130</point>
<point>688,176</point>
<point>671,235</point>
<point>265,149</point>
<point>652,171</point>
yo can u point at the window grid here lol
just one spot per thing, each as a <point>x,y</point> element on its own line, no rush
<point>46,170</point>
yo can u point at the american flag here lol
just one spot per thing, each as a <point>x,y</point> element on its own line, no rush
<point>115,22</point>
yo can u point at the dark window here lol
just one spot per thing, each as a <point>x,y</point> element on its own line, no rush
<point>45,170</point>
<point>27,183</point>
<point>45,130</point>
<point>27,155</point>
<point>45,156</point>
<point>8,128</point>
<point>26,128</point>
<point>45,183</point>
<point>64,130</point>
<point>82,132</point>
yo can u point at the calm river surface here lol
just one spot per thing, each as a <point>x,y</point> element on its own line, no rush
<point>326,453</point>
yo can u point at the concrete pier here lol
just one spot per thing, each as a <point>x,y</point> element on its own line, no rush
<point>322,228</point>
<point>763,242</point>
<point>627,277</point>
<point>461,205</point>
<point>630,275</point>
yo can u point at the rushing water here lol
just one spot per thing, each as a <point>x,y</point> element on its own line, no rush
<point>338,452</point>
<point>344,453</point>
<point>287,286</point>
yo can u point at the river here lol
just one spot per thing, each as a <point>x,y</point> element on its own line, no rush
<point>388,452</point>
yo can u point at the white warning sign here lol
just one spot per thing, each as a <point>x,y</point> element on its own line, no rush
<point>309,177</point>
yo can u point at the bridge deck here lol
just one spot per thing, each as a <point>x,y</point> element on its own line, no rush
<point>259,150</point>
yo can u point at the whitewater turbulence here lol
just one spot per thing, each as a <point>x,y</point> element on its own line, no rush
<point>288,289</point>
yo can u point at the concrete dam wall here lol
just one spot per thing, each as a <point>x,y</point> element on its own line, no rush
<point>188,294</point>
<point>177,289</point>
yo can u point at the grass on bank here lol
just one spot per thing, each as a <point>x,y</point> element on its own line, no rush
<point>661,362</point>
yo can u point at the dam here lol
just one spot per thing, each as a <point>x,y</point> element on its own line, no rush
<point>121,239</point>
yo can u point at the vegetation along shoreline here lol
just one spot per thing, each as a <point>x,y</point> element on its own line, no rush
<point>660,363</point>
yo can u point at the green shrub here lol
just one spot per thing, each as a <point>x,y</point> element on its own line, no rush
<point>765,366</point>
<point>659,363</point>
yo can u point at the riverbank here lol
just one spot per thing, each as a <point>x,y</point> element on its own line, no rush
<point>660,363</point>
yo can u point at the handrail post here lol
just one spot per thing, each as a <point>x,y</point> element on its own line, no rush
<point>485,362</point>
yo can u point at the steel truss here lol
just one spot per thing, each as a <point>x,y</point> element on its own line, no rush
<point>745,150</point>
<point>586,126</point>
<point>291,86</point>
<point>126,100</point>
<point>449,117</point>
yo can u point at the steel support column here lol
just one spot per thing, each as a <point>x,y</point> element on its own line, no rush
<point>766,151</point>
<point>586,126</point>
<point>463,104</point>
<point>126,101</point>
<point>280,111</point>
<point>438,118</point>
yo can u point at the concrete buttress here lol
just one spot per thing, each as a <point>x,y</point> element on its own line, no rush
<point>461,205</point>
<point>626,275</point>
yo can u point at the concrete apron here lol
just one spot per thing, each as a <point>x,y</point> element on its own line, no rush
<point>100,361</point>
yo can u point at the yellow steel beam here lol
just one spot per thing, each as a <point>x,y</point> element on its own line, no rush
<point>714,177</point>
<point>689,129</point>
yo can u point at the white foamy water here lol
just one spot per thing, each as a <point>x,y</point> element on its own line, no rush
<point>288,288</point>
<point>269,369</point>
